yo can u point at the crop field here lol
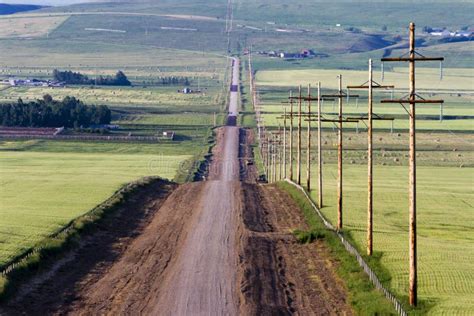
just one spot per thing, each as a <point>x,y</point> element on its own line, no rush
<point>272,112</point>
<point>457,111</point>
<point>454,79</point>
<point>47,184</point>
<point>29,26</point>
<point>445,199</point>
<point>185,119</point>
<point>146,97</point>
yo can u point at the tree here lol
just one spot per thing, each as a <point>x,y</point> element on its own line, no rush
<point>121,79</point>
<point>70,112</point>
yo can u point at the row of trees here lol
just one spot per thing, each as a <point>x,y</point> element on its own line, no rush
<point>174,81</point>
<point>70,112</point>
<point>70,77</point>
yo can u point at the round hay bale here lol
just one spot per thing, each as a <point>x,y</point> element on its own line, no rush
<point>353,162</point>
<point>455,149</point>
<point>396,160</point>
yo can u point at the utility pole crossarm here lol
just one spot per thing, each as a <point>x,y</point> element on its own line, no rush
<point>364,118</point>
<point>414,101</point>
<point>303,98</point>
<point>375,85</point>
<point>421,58</point>
<point>348,120</point>
<point>337,96</point>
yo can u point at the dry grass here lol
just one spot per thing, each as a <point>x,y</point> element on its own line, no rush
<point>12,27</point>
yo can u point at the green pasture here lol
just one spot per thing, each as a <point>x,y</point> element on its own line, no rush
<point>307,12</point>
<point>427,79</point>
<point>42,191</point>
<point>184,119</point>
<point>69,53</point>
<point>457,111</point>
<point>445,200</point>
<point>166,98</point>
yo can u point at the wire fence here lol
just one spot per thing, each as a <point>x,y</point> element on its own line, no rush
<point>352,250</point>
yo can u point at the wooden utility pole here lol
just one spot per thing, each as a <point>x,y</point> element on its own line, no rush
<point>279,146</point>
<point>284,144</point>
<point>291,136</point>
<point>298,154</point>
<point>308,145</point>
<point>274,157</point>
<point>320,157</point>
<point>339,160</point>
<point>268,142</point>
<point>340,96</point>
<point>412,100</point>
<point>370,85</point>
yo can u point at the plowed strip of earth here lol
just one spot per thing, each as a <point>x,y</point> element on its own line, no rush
<point>279,276</point>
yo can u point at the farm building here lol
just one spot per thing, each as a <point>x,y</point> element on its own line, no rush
<point>292,55</point>
<point>168,135</point>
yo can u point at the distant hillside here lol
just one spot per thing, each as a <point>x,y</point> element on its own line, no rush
<point>15,8</point>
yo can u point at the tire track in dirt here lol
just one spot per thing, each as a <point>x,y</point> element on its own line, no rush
<point>278,275</point>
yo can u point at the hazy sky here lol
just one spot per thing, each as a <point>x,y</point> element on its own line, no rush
<point>46,2</point>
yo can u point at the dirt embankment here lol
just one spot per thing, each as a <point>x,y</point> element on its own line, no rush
<point>279,276</point>
<point>112,269</point>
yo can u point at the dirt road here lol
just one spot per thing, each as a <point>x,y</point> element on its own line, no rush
<point>219,247</point>
<point>204,278</point>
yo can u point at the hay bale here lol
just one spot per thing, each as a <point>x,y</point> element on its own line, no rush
<point>396,160</point>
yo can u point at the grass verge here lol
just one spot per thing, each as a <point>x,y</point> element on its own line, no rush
<point>49,249</point>
<point>364,298</point>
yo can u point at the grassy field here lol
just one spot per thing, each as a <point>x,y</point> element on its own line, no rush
<point>157,97</point>
<point>457,111</point>
<point>46,184</point>
<point>454,79</point>
<point>445,200</point>
<point>12,27</point>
